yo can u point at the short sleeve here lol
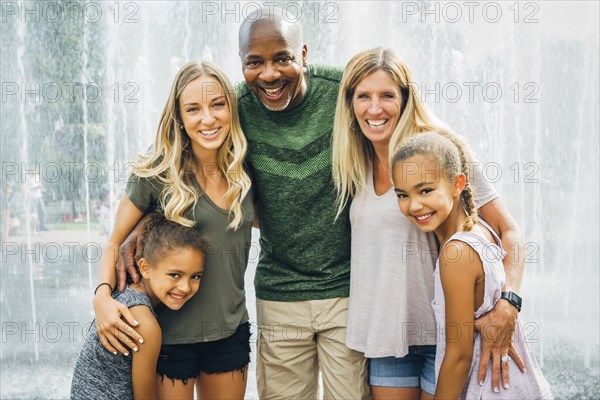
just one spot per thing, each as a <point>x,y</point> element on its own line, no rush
<point>483,191</point>
<point>254,193</point>
<point>144,193</point>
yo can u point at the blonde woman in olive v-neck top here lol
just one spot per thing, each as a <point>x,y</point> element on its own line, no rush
<point>195,176</point>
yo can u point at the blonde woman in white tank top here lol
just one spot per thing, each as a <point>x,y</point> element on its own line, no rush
<point>390,318</point>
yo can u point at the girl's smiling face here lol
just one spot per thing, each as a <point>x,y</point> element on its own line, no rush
<point>174,278</point>
<point>425,195</point>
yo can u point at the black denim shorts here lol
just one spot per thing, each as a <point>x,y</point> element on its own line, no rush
<point>186,361</point>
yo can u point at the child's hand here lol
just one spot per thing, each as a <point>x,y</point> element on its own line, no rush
<point>496,329</point>
<point>113,332</point>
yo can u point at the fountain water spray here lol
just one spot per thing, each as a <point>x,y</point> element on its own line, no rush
<point>85,78</point>
<point>25,189</point>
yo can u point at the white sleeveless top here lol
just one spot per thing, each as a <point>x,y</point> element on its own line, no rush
<point>528,385</point>
<point>391,274</point>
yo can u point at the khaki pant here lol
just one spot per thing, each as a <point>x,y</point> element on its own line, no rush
<point>296,340</point>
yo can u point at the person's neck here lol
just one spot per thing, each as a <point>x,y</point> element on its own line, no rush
<point>206,165</point>
<point>380,158</point>
<point>206,157</point>
<point>454,223</point>
<point>143,287</point>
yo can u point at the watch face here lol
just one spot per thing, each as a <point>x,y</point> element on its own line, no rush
<point>513,299</point>
<point>517,297</point>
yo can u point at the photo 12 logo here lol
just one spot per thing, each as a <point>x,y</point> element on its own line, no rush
<point>472,92</point>
<point>235,11</point>
<point>68,11</point>
<point>50,252</point>
<point>69,92</point>
<point>66,172</point>
<point>469,11</point>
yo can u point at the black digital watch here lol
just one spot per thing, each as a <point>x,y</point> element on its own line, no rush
<point>513,299</point>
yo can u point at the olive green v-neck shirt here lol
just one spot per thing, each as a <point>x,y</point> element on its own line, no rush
<point>219,307</point>
<point>304,250</point>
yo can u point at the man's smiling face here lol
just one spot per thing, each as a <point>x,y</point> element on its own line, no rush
<point>273,66</point>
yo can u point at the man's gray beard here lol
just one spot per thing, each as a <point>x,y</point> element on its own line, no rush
<point>283,107</point>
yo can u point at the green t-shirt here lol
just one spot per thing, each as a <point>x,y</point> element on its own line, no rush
<point>305,254</point>
<point>219,307</point>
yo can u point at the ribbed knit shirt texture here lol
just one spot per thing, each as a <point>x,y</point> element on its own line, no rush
<point>305,252</point>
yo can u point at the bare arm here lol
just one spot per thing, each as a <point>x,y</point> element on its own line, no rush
<point>143,371</point>
<point>459,271</point>
<point>498,217</point>
<point>504,314</point>
<point>112,330</point>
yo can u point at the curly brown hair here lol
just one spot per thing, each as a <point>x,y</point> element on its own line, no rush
<point>161,236</point>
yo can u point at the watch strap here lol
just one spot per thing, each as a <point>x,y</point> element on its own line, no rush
<point>513,299</point>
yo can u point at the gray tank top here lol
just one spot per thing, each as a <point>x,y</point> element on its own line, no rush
<point>99,374</point>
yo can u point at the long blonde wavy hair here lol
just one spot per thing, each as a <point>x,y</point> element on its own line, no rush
<point>352,151</point>
<point>172,160</point>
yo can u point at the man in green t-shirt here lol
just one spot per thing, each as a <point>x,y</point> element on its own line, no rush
<point>286,109</point>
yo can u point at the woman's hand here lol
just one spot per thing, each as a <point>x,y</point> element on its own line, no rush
<point>497,326</point>
<point>115,334</point>
<point>496,329</point>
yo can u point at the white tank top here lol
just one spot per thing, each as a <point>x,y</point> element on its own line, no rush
<point>528,385</point>
<point>391,276</point>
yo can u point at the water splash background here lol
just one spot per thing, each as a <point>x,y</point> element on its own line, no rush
<point>83,87</point>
